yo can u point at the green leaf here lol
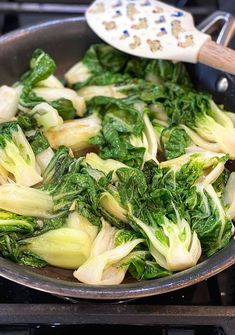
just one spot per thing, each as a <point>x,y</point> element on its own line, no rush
<point>142,266</point>
<point>74,187</point>
<point>29,99</point>
<point>30,259</point>
<point>100,57</point>
<point>158,71</point>
<point>123,116</point>
<point>136,67</point>
<point>38,142</point>
<point>65,108</point>
<point>10,247</point>
<point>165,70</point>
<point>100,79</point>
<point>50,224</point>
<point>174,141</point>
<point>120,119</point>
<point>58,166</point>
<point>185,106</point>
<point>221,181</point>
<point>41,67</point>
<point>124,236</point>
<point>10,222</point>
<point>88,211</point>
<point>208,219</point>
<point>26,122</point>
<point>132,187</point>
<point>153,270</point>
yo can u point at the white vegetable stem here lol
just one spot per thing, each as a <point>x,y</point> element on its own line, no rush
<point>77,73</point>
<point>112,206</point>
<point>89,92</point>
<point>103,267</point>
<point>183,249</point>
<point>51,82</point>
<point>46,116</point>
<point>65,247</point>
<point>26,201</point>
<point>75,134</point>
<point>52,94</point>
<point>44,158</point>
<point>77,221</point>
<point>104,165</point>
<point>9,98</point>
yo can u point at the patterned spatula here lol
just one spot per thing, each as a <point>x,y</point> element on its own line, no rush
<point>152,29</point>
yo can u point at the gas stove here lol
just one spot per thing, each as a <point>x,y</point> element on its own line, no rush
<point>205,308</point>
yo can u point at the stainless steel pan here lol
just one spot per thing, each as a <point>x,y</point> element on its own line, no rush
<point>66,41</point>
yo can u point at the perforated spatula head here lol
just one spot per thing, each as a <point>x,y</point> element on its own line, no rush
<point>147,28</point>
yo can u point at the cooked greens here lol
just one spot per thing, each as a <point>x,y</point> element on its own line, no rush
<point>117,170</point>
<point>17,156</point>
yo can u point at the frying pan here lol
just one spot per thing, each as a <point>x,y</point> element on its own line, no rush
<point>66,41</point>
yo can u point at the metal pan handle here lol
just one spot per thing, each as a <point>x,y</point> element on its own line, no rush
<point>221,26</point>
<point>213,23</point>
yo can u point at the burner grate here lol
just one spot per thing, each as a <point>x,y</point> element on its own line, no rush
<point>166,319</point>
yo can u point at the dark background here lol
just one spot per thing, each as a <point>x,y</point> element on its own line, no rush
<point>20,13</point>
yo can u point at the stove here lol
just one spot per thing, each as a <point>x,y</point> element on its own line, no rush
<point>205,308</point>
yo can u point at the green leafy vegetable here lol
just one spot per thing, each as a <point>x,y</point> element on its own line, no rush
<point>38,142</point>
<point>26,201</point>
<point>10,222</point>
<point>199,112</point>
<point>58,166</point>
<point>65,108</point>
<point>16,155</point>
<point>123,171</point>
<point>208,218</point>
<point>41,67</point>
<point>75,134</point>
<point>26,121</point>
<point>174,246</point>
<point>64,247</point>
<point>174,141</point>
<point>107,258</point>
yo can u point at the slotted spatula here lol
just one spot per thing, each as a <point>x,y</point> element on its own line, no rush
<point>152,29</point>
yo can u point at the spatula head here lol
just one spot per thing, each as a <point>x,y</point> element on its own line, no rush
<point>146,28</point>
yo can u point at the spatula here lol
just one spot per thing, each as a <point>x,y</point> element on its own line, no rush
<point>153,29</point>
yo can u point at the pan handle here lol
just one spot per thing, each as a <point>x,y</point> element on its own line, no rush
<point>222,21</point>
<point>221,26</point>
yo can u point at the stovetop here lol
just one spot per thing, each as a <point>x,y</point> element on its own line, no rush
<point>205,308</point>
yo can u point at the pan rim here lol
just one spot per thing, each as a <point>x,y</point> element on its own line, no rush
<point>139,289</point>
<point>25,276</point>
<point>35,27</point>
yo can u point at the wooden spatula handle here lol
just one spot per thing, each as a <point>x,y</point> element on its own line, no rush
<point>217,56</point>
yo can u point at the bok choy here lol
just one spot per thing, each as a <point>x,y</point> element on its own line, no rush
<point>121,168</point>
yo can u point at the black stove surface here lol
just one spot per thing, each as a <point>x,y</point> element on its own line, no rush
<point>205,308</point>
